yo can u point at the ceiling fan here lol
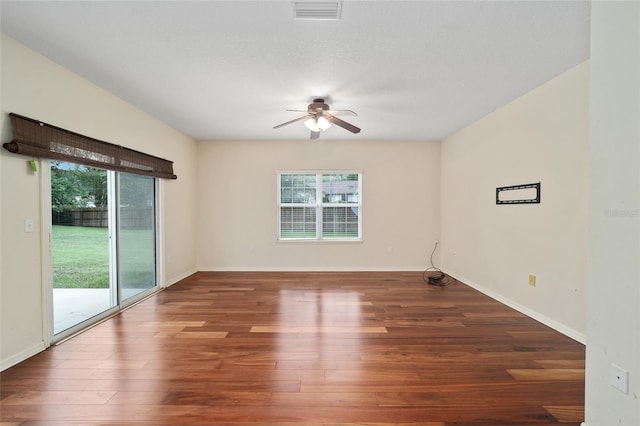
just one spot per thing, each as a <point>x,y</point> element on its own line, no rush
<point>318,118</point>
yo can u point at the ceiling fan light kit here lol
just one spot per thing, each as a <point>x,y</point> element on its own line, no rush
<point>319,124</point>
<point>318,119</point>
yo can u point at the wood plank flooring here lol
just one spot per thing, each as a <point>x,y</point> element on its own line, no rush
<point>304,348</point>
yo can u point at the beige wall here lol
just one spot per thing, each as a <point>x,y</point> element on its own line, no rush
<point>613,301</point>
<point>238,211</point>
<point>36,87</point>
<point>540,137</point>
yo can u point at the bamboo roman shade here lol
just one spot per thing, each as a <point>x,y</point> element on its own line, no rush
<point>36,139</point>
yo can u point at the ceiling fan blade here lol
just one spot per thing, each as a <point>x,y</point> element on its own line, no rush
<point>344,111</point>
<point>341,123</point>
<point>304,117</point>
<point>296,110</point>
<point>315,135</point>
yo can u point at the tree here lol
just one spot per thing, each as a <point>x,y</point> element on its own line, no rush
<point>93,184</point>
<point>74,186</point>
<point>64,188</point>
<point>136,190</point>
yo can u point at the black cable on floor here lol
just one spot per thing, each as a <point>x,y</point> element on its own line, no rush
<point>434,276</point>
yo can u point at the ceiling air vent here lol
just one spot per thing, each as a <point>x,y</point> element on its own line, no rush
<point>317,10</point>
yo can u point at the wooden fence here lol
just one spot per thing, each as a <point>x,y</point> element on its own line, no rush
<point>97,217</point>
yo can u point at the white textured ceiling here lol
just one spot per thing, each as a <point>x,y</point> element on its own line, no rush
<point>227,70</point>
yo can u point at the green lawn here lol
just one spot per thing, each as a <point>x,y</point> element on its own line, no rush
<point>81,257</point>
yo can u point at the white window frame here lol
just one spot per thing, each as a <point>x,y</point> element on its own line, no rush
<point>319,205</point>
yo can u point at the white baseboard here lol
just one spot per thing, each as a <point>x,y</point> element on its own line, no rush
<point>180,277</point>
<point>310,269</point>
<point>559,327</point>
<point>21,356</point>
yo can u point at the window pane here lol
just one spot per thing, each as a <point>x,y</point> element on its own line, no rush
<point>137,234</point>
<point>297,222</point>
<point>80,244</point>
<point>340,188</point>
<point>296,188</point>
<point>340,222</point>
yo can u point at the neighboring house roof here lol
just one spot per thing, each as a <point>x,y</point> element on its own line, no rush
<point>340,187</point>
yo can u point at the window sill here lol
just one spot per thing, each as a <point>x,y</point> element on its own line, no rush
<point>325,241</point>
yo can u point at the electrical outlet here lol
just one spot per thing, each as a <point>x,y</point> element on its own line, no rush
<point>619,379</point>
<point>532,280</point>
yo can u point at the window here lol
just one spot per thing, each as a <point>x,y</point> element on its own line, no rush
<point>319,206</point>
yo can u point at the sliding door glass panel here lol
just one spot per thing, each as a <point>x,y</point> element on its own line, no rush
<point>83,286</point>
<point>137,244</point>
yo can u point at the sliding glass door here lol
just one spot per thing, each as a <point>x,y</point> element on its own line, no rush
<point>81,244</point>
<point>103,245</point>
<point>137,236</point>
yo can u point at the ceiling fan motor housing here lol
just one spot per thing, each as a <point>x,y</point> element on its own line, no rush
<point>318,105</point>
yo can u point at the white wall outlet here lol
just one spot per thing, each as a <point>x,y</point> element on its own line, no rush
<point>619,378</point>
<point>28,225</point>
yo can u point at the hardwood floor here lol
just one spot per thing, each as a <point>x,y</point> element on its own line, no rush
<point>304,348</point>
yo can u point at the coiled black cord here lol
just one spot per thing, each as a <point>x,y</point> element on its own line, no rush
<point>434,276</point>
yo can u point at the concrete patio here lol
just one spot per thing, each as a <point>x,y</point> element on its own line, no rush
<point>75,305</point>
